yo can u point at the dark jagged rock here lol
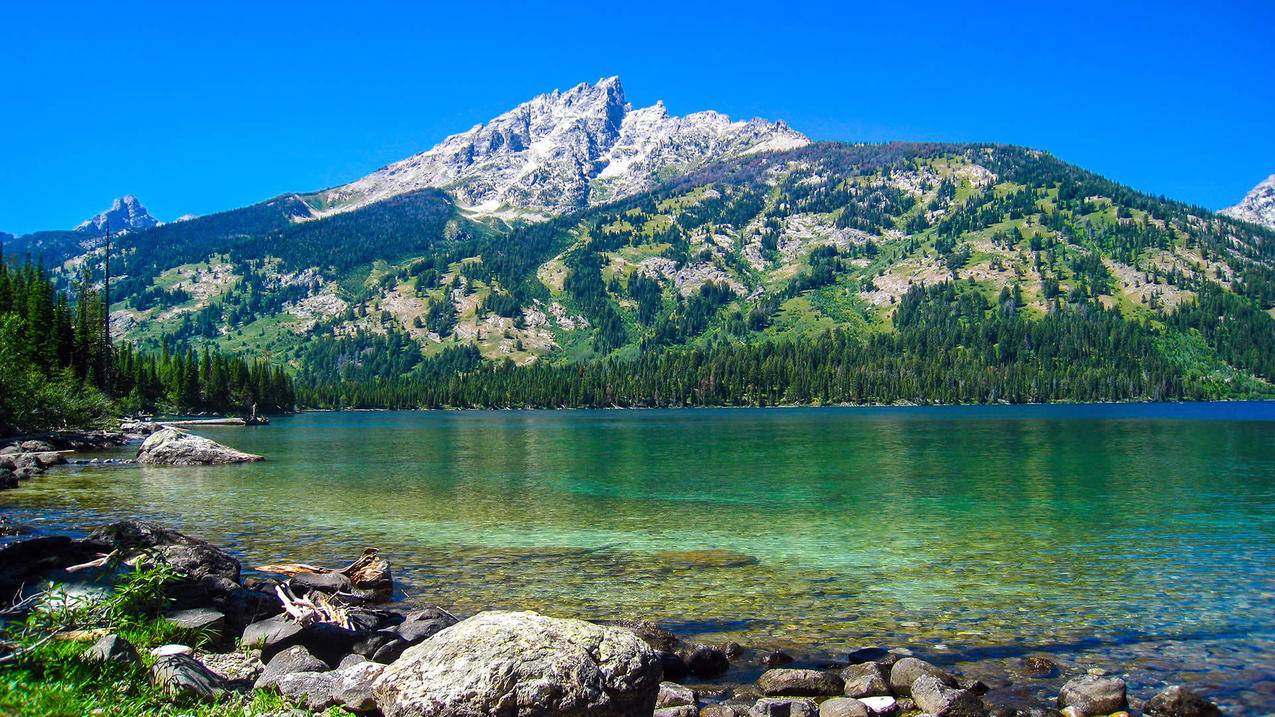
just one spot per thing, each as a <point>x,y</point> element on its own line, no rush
<point>113,649</point>
<point>1177,701</point>
<point>424,624</point>
<point>204,621</point>
<point>650,633</point>
<point>326,641</point>
<point>672,664</point>
<point>704,661</point>
<point>776,659</point>
<point>182,676</point>
<point>10,527</point>
<point>302,583</point>
<point>868,654</point>
<point>27,561</point>
<point>194,557</point>
<point>383,646</point>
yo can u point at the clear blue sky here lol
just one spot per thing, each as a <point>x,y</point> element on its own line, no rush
<point>198,107</point>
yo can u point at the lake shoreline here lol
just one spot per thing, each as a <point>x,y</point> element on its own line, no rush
<point>722,679</point>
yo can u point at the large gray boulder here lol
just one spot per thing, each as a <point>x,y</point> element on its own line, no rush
<point>1094,695</point>
<point>524,664</point>
<point>175,447</point>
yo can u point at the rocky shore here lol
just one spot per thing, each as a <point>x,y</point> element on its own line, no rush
<point>330,638</point>
<point>25,457</point>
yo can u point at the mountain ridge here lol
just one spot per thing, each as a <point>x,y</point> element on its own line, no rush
<point>560,151</point>
<point>1257,206</point>
<point>126,213</point>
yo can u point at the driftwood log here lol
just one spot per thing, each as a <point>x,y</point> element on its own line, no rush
<point>369,574</point>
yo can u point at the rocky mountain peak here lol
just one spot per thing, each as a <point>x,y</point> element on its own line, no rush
<point>126,214</point>
<point>564,150</point>
<point>1258,206</point>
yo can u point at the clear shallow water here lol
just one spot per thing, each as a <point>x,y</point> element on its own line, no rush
<point>1139,539</point>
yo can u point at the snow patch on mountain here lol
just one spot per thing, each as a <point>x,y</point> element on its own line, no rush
<point>1258,206</point>
<point>126,214</point>
<point>563,151</point>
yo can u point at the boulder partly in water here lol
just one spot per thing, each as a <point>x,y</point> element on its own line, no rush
<point>175,447</point>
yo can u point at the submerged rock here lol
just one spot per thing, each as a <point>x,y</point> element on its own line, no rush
<point>704,661</point>
<point>522,663</point>
<point>1177,701</point>
<point>175,447</point>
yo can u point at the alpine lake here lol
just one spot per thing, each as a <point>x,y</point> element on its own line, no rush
<point>1136,539</point>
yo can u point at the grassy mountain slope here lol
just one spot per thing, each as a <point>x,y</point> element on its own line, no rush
<point>769,250</point>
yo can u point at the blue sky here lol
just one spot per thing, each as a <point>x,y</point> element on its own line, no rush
<point>201,107</point>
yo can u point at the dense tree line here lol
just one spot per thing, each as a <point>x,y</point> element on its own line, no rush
<point>950,345</point>
<point>52,352</point>
<point>191,382</point>
<point>56,369</point>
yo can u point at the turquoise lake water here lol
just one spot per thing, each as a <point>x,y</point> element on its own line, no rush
<point>1138,539</point>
